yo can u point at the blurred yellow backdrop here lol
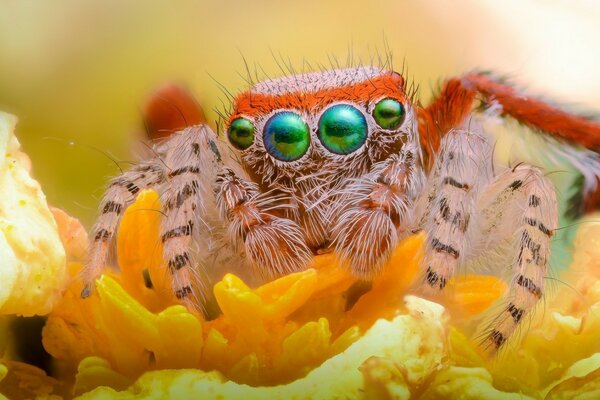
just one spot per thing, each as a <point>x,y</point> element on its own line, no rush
<point>79,71</point>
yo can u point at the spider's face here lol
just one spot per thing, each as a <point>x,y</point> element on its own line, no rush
<point>337,121</point>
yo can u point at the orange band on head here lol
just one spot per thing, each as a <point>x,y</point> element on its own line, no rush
<point>385,85</point>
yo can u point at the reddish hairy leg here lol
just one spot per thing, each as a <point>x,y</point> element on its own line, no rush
<point>458,97</point>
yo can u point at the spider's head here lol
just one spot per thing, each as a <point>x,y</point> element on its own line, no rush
<point>339,121</point>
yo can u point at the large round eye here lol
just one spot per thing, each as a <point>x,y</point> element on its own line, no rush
<point>241,133</point>
<point>389,113</point>
<point>287,136</point>
<point>342,129</point>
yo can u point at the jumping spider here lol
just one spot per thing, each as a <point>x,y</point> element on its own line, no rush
<point>343,160</point>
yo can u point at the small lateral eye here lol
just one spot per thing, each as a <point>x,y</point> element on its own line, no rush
<point>342,129</point>
<point>241,133</point>
<point>286,136</point>
<point>389,113</point>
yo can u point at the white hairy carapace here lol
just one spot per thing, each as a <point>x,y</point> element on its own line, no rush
<point>334,161</point>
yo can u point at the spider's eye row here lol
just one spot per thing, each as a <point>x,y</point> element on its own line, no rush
<point>286,136</point>
<point>342,129</point>
<point>241,133</point>
<point>389,113</point>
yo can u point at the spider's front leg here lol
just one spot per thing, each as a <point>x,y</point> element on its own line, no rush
<point>462,167</point>
<point>520,207</point>
<point>373,213</point>
<point>121,193</point>
<point>473,214</point>
<point>274,245</point>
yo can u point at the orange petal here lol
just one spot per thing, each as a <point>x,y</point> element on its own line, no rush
<point>474,294</point>
<point>286,294</point>
<point>139,251</point>
<point>385,297</point>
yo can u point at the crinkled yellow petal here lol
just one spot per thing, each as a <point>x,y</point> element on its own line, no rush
<point>93,372</point>
<point>467,384</point>
<point>581,380</point>
<point>180,338</point>
<point>33,268</point>
<point>413,340</point>
<point>384,379</point>
<point>461,350</point>
<point>22,381</point>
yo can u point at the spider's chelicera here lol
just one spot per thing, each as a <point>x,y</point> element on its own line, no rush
<point>343,161</point>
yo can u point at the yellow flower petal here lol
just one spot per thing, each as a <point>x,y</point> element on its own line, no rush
<point>467,384</point>
<point>180,338</point>
<point>93,372</point>
<point>22,381</point>
<point>580,379</point>
<point>33,269</point>
<point>414,340</point>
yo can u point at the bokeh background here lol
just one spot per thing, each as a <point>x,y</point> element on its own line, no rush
<point>77,72</point>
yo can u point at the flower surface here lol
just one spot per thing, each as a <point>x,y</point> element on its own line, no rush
<point>318,333</point>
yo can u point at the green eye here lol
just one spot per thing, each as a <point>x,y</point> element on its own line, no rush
<point>241,133</point>
<point>389,113</point>
<point>342,129</point>
<point>286,136</point>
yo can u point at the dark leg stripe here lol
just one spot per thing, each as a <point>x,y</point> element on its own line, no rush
<point>460,221</point>
<point>444,209</point>
<point>444,248</point>
<point>535,223</point>
<point>184,230</point>
<point>516,184</point>
<point>189,189</point>
<point>183,170</point>
<point>534,201</point>
<point>544,230</point>
<point>179,261</point>
<point>515,312</point>
<point>183,292</point>
<point>112,206</point>
<point>453,182</point>
<point>433,278</point>
<point>534,247</point>
<point>132,188</point>
<point>497,338</point>
<point>102,234</point>
<point>529,285</point>
<point>215,149</point>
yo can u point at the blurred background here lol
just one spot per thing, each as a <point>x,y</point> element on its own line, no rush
<point>79,71</point>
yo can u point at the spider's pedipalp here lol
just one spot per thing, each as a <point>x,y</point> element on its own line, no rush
<point>529,197</point>
<point>121,192</point>
<point>374,211</point>
<point>275,245</point>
